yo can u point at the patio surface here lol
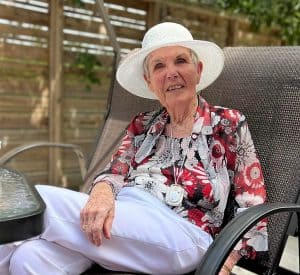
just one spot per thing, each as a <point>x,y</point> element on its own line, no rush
<point>289,260</point>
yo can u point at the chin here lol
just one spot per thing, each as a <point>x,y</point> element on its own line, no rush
<point>178,100</point>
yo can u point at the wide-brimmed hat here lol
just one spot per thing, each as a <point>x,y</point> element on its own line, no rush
<point>130,73</point>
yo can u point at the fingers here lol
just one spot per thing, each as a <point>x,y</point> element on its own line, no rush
<point>92,225</point>
<point>96,230</point>
<point>85,218</point>
<point>108,223</point>
<point>97,215</point>
<point>96,220</point>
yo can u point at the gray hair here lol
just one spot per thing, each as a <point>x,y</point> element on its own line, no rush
<point>194,56</point>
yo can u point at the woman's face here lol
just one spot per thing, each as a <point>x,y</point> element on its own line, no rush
<point>172,75</point>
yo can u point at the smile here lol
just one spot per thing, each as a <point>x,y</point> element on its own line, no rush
<point>174,88</point>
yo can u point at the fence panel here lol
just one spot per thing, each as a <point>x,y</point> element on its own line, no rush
<point>25,100</point>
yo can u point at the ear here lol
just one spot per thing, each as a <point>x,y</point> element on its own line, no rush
<point>199,69</point>
<point>147,79</point>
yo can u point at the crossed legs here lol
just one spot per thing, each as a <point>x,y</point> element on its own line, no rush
<point>147,237</point>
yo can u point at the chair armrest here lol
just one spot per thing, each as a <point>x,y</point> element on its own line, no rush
<point>223,244</point>
<point>75,148</point>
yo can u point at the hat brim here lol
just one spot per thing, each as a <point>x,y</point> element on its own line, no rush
<point>130,72</point>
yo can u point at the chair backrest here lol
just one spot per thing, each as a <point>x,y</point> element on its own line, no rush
<point>263,83</point>
<point>123,106</point>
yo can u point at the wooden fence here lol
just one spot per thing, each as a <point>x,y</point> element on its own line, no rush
<point>45,96</point>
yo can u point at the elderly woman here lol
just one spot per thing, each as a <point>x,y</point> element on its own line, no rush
<point>160,202</point>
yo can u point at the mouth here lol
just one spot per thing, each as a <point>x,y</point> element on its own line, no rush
<point>175,88</point>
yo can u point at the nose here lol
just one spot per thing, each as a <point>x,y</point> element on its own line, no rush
<point>172,73</point>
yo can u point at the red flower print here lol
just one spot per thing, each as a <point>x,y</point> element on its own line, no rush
<point>217,151</point>
<point>195,216</point>
<point>206,190</point>
<point>136,127</point>
<point>119,168</point>
<point>254,175</point>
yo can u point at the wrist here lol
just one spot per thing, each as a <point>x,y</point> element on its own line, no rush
<point>226,269</point>
<point>102,186</point>
<point>232,259</point>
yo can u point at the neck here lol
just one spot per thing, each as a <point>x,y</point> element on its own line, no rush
<point>182,120</point>
<point>181,113</point>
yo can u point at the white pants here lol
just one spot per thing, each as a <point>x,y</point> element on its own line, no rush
<point>147,237</point>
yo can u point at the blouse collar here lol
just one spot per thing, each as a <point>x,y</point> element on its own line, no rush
<point>202,121</point>
<point>202,124</point>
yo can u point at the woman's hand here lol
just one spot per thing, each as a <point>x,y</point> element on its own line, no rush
<point>224,271</point>
<point>98,213</point>
<point>232,259</point>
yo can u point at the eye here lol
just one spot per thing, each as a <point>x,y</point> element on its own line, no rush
<point>158,66</point>
<point>180,60</point>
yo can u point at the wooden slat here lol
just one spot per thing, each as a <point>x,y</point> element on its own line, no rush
<point>23,15</point>
<point>19,69</point>
<point>254,39</point>
<point>72,135</point>
<point>140,5</point>
<point>79,72</point>
<point>153,14</point>
<point>71,180</point>
<point>31,154</point>
<point>37,178</point>
<point>35,4</point>
<point>129,33</point>
<point>30,164</point>
<point>9,29</point>
<point>91,9</point>
<point>84,25</point>
<point>56,85</point>
<point>80,90</point>
<point>8,136</point>
<point>31,87</point>
<point>126,14</point>
<point>97,27</point>
<point>105,59</point>
<point>23,40</point>
<point>97,41</point>
<point>17,52</point>
<point>83,120</point>
<point>83,39</point>
<point>88,104</point>
<point>82,84</point>
<point>20,103</point>
<point>19,121</point>
<point>193,8</point>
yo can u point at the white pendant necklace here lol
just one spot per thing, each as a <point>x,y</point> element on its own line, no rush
<point>175,192</point>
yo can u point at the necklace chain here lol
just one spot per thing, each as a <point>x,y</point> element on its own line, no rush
<point>176,177</point>
<point>185,128</point>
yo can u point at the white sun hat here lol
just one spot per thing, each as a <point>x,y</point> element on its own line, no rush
<point>130,73</point>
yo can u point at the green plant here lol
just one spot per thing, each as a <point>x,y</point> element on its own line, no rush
<point>78,3</point>
<point>89,65</point>
<point>282,15</point>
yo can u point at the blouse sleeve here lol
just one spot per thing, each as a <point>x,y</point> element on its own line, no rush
<point>249,190</point>
<point>117,169</point>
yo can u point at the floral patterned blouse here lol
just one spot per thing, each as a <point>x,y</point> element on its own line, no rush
<point>217,162</point>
